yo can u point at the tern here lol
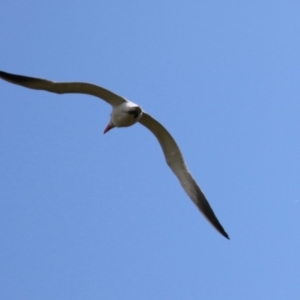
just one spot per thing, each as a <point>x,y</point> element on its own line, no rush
<point>124,114</point>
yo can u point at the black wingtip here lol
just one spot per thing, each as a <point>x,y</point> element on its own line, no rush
<point>226,235</point>
<point>13,78</point>
<point>221,230</point>
<point>209,214</point>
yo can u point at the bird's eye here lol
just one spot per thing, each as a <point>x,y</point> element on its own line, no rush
<point>135,113</point>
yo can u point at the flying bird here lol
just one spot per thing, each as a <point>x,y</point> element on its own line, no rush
<point>126,113</point>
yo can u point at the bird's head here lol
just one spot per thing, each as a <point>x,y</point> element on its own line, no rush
<point>124,115</point>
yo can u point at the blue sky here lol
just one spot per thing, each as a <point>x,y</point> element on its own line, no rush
<point>91,216</point>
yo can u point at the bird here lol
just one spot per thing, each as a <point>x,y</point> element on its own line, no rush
<point>124,114</point>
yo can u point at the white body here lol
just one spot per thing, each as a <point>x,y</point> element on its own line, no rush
<point>120,116</point>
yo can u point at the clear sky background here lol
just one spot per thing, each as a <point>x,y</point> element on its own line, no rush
<point>91,216</point>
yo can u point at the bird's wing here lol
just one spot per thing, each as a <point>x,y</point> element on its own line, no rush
<point>177,164</point>
<point>64,87</point>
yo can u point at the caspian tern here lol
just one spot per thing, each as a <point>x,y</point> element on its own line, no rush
<point>124,114</point>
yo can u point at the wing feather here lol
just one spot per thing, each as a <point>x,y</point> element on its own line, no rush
<point>64,87</point>
<point>176,162</point>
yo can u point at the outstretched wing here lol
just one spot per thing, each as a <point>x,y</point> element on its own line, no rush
<point>64,87</point>
<point>176,162</point>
